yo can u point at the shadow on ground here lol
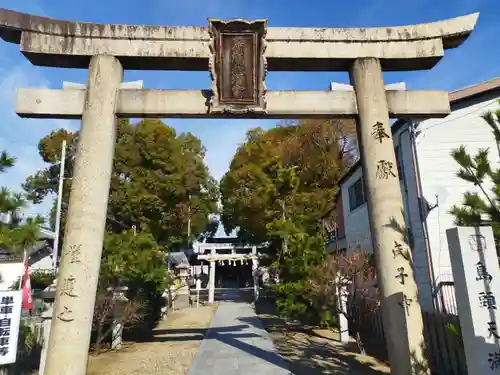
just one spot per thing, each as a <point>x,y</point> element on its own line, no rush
<point>309,352</point>
<point>225,294</point>
<point>230,335</point>
<point>186,334</point>
<point>171,350</point>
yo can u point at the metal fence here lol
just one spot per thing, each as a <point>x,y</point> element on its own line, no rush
<point>444,298</point>
<point>442,335</point>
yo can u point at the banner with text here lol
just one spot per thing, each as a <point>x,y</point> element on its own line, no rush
<point>10,317</point>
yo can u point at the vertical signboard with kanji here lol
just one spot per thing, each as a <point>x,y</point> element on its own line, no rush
<point>10,317</point>
<point>477,286</point>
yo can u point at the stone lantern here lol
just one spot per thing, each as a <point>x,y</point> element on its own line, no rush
<point>182,271</point>
<point>120,301</point>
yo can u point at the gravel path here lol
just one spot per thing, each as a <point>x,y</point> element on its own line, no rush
<point>175,344</point>
<point>316,351</point>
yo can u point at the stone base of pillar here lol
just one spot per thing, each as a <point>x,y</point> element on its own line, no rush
<point>47,323</point>
<point>182,299</point>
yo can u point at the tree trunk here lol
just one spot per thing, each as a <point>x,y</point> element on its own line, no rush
<point>359,343</point>
<point>99,338</point>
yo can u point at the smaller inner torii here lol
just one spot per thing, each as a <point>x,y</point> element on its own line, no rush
<point>228,254</point>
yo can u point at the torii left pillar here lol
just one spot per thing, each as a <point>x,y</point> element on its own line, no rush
<point>211,276</point>
<point>255,267</point>
<point>81,254</point>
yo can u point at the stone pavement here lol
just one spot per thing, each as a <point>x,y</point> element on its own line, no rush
<point>237,343</point>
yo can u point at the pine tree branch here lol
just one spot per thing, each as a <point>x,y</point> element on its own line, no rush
<point>469,167</point>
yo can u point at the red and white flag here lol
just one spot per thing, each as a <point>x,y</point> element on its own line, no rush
<point>26,286</point>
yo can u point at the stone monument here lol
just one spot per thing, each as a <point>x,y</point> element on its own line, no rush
<point>477,283</point>
<point>237,53</point>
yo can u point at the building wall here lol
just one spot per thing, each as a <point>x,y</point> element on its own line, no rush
<point>11,271</point>
<point>339,214</point>
<point>441,188</point>
<point>432,166</point>
<point>358,233</point>
<point>413,217</point>
<point>339,243</point>
<point>357,227</point>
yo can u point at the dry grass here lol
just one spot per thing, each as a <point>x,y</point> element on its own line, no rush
<point>171,351</point>
<point>316,351</point>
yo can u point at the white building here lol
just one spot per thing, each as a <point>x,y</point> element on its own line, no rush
<point>39,259</point>
<point>429,186</point>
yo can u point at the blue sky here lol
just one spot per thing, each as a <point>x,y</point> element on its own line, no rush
<point>475,61</point>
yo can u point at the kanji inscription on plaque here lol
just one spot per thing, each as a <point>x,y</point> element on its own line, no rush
<point>237,65</point>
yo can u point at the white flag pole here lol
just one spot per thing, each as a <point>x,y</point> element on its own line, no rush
<point>24,268</point>
<point>60,188</point>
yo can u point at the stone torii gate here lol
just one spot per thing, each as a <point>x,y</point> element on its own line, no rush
<point>213,256</point>
<point>238,53</point>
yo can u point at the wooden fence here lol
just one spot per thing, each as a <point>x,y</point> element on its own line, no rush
<point>445,350</point>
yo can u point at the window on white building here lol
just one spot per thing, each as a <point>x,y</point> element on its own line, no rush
<point>356,194</point>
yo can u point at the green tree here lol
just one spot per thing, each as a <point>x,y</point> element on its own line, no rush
<point>288,170</point>
<point>483,207</point>
<point>6,161</point>
<point>281,182</point>
<point>39,279</point>
<point>16,234</point>
<point>159,179</point>
<point>130,258</point>
<point>353,274</point>
<point>134,260</point>
<point>304,252</point>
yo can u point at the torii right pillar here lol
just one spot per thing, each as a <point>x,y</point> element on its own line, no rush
<point>402,316</point>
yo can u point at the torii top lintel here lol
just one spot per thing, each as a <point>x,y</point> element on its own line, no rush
<point>50,42</point>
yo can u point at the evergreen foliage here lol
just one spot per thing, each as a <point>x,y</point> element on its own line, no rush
<point>157,175</point>
<point>16,233</point>
<point>481,207</point>
<point>291,170</point>
<point>281,182</point>
<point>159,180</point>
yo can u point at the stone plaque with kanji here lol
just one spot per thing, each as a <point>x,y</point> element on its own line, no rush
<point>237,66</point>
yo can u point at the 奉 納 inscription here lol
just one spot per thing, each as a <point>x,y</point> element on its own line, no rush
<point>238,66</point>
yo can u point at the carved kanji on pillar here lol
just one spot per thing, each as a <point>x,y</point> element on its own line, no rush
<point>237,66</point>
